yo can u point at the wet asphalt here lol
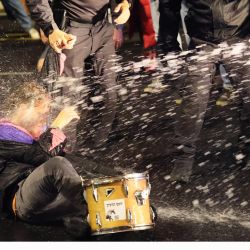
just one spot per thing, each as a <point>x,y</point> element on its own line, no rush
<point>213,206</point>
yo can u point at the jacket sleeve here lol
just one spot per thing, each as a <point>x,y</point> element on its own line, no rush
<point>51,143</point>
<point>170,19</point>
<point>42,14</point>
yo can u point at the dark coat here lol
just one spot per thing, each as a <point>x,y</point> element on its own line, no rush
<point>210,21</point>
<point>18,160</point>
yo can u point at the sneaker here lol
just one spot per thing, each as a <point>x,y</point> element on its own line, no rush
<point>182,171</point>
<point>34,34</point>
<point>225,98</point>
<point>155,86</point>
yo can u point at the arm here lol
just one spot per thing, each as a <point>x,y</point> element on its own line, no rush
<point>170,19</point>
<point>118,36</point>
<point>42,14</point>
<point>123,8</point>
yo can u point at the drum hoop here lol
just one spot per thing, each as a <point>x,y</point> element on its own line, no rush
<point>123,229</point>
<point>109,179</point>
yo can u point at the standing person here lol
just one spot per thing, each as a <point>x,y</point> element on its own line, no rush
<point>15,10</point>
<point>219,31</point>
<point>142,19</point>
<point>87,32</point>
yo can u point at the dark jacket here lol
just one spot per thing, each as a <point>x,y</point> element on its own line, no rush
<point>18,160</point>
<point>77,10</point>
<point>211,21</point>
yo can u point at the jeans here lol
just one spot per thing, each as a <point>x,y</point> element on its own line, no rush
<point>15,9</point>
<point>50,193</point>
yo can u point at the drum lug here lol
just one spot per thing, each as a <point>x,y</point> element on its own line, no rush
<point>125,188</point>
<point>129,215</point>
<point>153,215</point>
<point>98,220</point>
<point>141,197</point>
<point>95,192</point>
<point>149,186</point>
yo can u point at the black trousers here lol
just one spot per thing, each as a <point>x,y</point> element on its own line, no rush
<point>196,86</point>
<point>95,41</point>
<point>50,193</point>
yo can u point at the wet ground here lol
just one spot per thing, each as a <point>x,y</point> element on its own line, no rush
<point>214,206</point>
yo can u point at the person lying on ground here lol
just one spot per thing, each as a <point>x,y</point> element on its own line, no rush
<point>38,183</point>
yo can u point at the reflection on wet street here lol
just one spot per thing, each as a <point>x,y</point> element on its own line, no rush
<point>212,206</point>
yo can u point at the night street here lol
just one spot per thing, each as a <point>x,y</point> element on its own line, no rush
<point>213,206</point>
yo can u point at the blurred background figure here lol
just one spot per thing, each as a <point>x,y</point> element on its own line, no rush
<point>142,21</point>
<point>15,10</point>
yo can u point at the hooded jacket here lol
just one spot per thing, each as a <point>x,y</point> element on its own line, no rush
<point>211,21</point>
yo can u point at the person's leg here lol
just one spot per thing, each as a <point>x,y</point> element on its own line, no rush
<point>16,9</point>
<point>154,4</point>
<point>239,71</point>
<point>227,89</point>
<point>51,192</point>
<point>191,112</point>
<point>70,89</point>
<point>104,64</point>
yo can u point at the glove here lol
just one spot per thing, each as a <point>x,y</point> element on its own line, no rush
<point>125,12</point>
<point>59,40</point>
<point>53,142</point>
<point>65,117</point>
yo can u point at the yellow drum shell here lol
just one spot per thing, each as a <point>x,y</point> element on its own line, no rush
<point>118,196</point>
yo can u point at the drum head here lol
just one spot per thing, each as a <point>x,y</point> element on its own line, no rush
<point>111,179</point>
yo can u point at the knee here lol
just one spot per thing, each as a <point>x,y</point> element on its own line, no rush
<point>58,163</point>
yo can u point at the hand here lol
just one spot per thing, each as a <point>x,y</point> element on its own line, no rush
<point>118,37</point>
<point>53,141</point>
<point>125,12</point>
<point>59,40</point>
<point>65,117</point>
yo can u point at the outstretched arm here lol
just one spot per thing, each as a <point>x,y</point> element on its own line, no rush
<point>42,14</point>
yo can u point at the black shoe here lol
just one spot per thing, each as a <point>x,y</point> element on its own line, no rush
<point>77,227</point>
<point>181,172</point>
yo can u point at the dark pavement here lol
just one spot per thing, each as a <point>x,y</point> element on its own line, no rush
<point>214,206</point>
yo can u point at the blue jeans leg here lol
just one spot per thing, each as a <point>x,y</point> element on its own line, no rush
<point>17,11</point>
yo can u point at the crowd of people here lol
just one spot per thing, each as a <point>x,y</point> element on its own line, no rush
<point>218,33</point>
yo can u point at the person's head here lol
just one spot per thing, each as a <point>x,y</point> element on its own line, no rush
<point>28,105</point>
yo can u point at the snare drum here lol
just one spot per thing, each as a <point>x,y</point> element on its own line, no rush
<point>118,204</point>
